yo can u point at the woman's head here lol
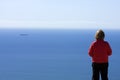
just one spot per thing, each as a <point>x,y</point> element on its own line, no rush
<point>100,34</point>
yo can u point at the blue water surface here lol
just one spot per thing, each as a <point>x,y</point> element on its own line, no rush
<point>27,54</point>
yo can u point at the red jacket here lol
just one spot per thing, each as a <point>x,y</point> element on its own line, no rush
<point>99,51</point>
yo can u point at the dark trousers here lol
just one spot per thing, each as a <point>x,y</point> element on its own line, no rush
<point>100,69</point>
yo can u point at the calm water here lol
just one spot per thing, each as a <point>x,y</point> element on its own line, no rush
<point>52,54</point>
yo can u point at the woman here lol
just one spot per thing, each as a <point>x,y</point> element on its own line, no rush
<point>99,51</point>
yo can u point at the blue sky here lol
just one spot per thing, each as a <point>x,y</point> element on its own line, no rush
<point>68,14</point>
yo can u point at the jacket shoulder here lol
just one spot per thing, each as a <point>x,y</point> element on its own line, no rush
<point>106,42</point>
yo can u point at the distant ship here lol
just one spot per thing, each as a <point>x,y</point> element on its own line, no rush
<point>24,34</point>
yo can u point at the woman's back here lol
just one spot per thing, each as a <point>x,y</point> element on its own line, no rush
<point>100,50</point>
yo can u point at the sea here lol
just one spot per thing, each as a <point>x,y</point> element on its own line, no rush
<point>53,54</point>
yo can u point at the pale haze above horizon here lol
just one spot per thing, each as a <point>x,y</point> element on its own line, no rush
<point>60,14</point>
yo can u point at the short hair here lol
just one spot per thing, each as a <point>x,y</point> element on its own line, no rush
<point>100,34</point>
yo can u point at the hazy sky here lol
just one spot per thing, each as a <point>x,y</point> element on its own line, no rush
<point>70,14</point>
